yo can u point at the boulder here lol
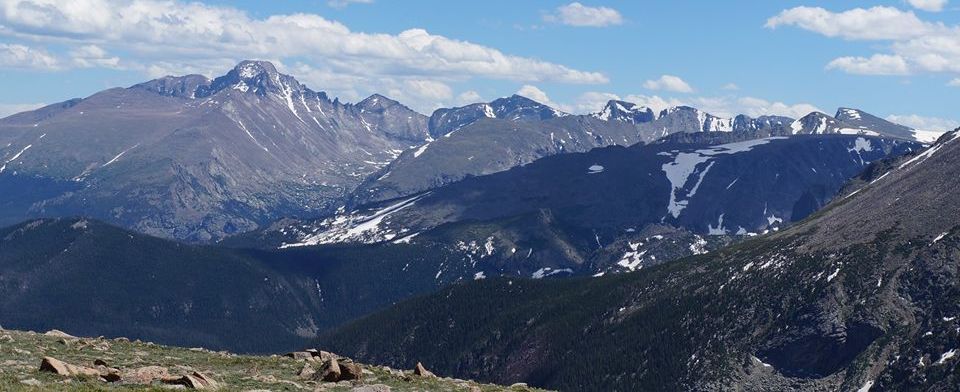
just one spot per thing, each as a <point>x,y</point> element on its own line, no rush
<point>306,372</point>
<point>56,366</point>
<point>422,371</point>
<point>32,382</point>
<point>323,356</point>
<point>146,375</point>
<point>59,334</point>
<point>350,371</point>
<point>300,355</point>
<point>329,372</point>
<point>196,380</point>
<point>371,388</point>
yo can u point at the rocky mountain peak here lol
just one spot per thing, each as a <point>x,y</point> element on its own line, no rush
<point>518,107</point>
<point>690,119</point>
<point>512,108</point>
<point>259,77</point>
<point>844,114</point>
<point>815,123</point>
<point>249,69</point>
<point>627,112</point>
<point>377,102</point>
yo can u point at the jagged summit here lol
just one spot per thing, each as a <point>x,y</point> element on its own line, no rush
<point>259,77</point>
<point>251,68</point>
<point>814,123</point>
<point>378,102</point>
<point>623,111</point>
<point>855,121</point>
<point>513,108</point>
<point>517,107</point>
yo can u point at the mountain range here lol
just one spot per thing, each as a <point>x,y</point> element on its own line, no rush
<point>619,220</point>
<point>610,209</point>
<point>198,159</point>
<point>505,241</point>
<point>861,295</point>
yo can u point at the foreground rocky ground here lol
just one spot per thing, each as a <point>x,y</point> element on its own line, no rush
<point>56,361</point>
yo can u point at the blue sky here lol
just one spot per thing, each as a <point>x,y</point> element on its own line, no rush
<point>898,59</point>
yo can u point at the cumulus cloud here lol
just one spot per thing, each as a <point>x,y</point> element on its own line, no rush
<point>25,57</point>
<point>928,5</point>
<point>915,45</point>
<point>430,89</point>
<point>93,56</point>
<point>576,14</point>
<point>591,102</point>
<point>878,64</point>
<point>874,23</point>
<point>668,83</point>
<point>924,123</point>
<point>174,31</point>
<point>468,97</point>
<point>536,94</point>
<point>954,82</point>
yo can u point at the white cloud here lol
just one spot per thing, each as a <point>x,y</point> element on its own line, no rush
<point>928,5</point>
<point>878,64</point>
<point>536,94</point>
<point>93,56</point>
<point>25,57</point>
<point>886,23</point>
<point>7,109</point>
<point>429,89</point>
<point>592,102</point>
<point>668,83</point>
<point>468,97</point>
<point>731,87</point>
<point>924,123</point>
<point>344,3</point>
<point>194,33</point>
<point>576,14</point>
<point>915,45</point>
<point>954,82</point>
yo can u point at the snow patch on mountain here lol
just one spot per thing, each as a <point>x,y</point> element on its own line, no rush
<point>14,158</point>
<point>369,227</point>
<point>684,164</point>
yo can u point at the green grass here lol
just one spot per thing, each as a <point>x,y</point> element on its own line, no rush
<point>20,360</point>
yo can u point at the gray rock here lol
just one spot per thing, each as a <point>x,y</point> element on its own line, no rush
<point>371,388</point>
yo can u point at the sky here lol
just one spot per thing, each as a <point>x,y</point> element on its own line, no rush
<point>898,59</point>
